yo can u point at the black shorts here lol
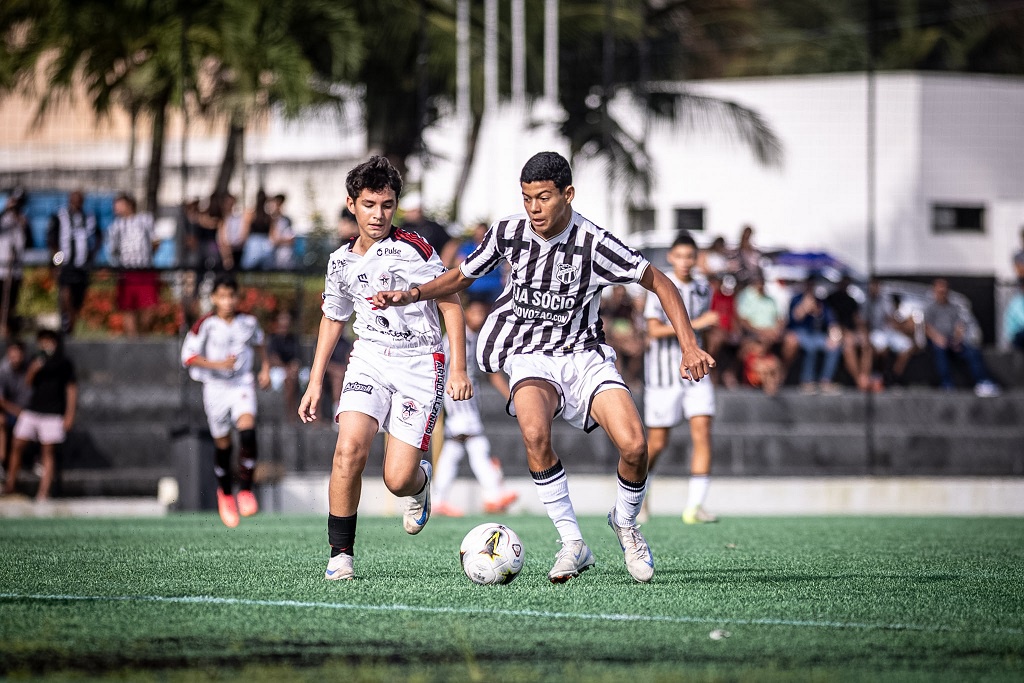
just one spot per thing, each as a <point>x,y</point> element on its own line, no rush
<point>77,282</point>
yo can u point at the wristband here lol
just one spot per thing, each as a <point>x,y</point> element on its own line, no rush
<point>418,293</point>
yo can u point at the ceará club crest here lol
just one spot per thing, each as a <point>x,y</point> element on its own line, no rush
<point>566,273</point>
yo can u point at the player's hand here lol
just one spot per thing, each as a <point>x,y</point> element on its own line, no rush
<point>226,364</point>
<point>307,406</point>
<point>263,379</point>
<point>697,363</point>
<point>392,297</point>
<point>459,386</point>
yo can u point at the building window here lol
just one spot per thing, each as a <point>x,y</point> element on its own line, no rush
<point>641,219</point>
<point>690,220</point>
<point>957,218</point>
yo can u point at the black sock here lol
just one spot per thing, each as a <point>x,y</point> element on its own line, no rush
<point>341,534</point>
<point>222,468</point>
<point>246,458</point>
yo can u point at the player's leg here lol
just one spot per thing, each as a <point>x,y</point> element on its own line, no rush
<point>48,461</point>
<point>355,435</point>
<point>407,475</point>
<point>487,471</point>
<point>14,464</point>
<point>247,454</point>
<point>700,471</point>
<point>217,404</point>
<point>445,470</point>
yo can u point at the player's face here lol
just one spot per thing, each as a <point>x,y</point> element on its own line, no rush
<point>548,207</point>
<point>374,211</point>
<point>224,300</point>
<point>683,258</point>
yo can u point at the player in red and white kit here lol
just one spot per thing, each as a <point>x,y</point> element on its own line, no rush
<point>219,351</point>
<point>395,380</point>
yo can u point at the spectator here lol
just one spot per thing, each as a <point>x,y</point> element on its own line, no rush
<point>201,229</point>
<point>131,246</point>
<point>284,353</point>
<point>763,327</point>
<point>486,288</point>
<point>946,331</point>
<point>73,241</point>
<point>257,250</point>
<point>227,226</point>
<point>432,232</point>
<point>282,234</point>
<point>1013,319</point>
<point>1018,258</point>
<point>857,353</point>
<point>814,330</point>
<point>723,340</point>
<point>50,412</point>
<point>889,334</point>
<point>14,393</point>
<point>13,238</point>
<point>619,315</point>
<point>716,260</point>
<point>748,257</point>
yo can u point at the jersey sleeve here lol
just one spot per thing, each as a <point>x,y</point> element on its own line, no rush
<point>485,257</point>
<point>194,345</point>
<point>421,272</point>
<point>616,264</point>
<point>257,338</point>
<point>337,305</point>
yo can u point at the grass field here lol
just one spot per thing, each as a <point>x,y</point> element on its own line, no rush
<point>183,598</point>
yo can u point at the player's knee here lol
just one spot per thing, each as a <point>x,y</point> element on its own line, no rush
<point>634,451</point>
<point>349,459</point>
<point>536,438</point>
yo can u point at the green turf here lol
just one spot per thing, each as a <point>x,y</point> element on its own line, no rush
<point>802,598</point>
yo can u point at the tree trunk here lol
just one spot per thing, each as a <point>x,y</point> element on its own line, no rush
<point>156,155</point>
<point>236,131</point>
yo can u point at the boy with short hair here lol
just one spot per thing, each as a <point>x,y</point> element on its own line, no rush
<point>219,352</point>
<point>545,332</point>
<point>395,379</point>
<point>668,399</point>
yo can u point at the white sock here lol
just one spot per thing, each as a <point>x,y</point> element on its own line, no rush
<point>629,498</point>
<point>446,469</point>
<point>699,484</point>
<point>553,490</point>
<point>487,471</point>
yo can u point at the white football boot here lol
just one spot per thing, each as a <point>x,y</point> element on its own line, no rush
<point>417,511</point>
<point>572,560</point>
<point>636,552</point>
<point>339,567</point>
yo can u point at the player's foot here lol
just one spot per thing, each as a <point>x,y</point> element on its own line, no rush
<point>340,567</point>
<point>501,503</point>
<point>698,515</point>
<point>445,510</point>
<point>418,510</point>
<point>227,508</point>
<point>572,560</point>
<point>636,552</point>
<point>247,503</point>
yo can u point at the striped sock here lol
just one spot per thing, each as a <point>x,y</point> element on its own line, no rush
<point>553,490</point>
<point>628,501</point>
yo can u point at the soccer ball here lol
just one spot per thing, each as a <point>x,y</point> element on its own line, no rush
<point>491,554</point>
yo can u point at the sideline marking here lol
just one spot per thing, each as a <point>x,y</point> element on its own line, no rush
<point>209,600</point>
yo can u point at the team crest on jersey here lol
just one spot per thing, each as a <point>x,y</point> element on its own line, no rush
<point>384,280</point>
<point>566,273</point>
<point>409,408</point>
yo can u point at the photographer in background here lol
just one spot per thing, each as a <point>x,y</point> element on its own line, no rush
<point>49,414</point>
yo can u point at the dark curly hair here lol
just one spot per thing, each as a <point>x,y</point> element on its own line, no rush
<point>376,174</point>
<point>547,166</point>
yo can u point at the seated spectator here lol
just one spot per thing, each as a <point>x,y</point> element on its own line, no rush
<point>889,333</point>
<point>14,393</point>
<point>747,257</point>
<point>284,353</point>
<point>857,352</point>
<point>813,329</point>
<point>761,367</point>
<point>282,234</point>
<point>946,331</point>
<point>723,340</point>
<point>486,288</point>
<point>132,242</point>
<point>716,260</point>
<point>257,250</point>
<point>1013,319</point>
<point>763,327</point>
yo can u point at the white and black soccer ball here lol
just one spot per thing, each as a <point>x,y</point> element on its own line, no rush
<point>491,554</point>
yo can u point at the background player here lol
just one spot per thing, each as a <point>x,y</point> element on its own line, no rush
<point>396,374</point>
<point>464,434</point>
<point>667,398</point>
<point>218,351</point>
<point>545,332</point>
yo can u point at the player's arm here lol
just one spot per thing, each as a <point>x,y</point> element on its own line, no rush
<point>459,386</point>
<point>442,286</point>
<point>696,362</point>
<point>263,379</point>
<point>326,339</point>
<point>204,362</point>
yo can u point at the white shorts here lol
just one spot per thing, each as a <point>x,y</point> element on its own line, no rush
<point>462,418</point>
<point>225,403</point>
<point>42,427</point>
<point>667,406</point>
<point>578,378</point>
<point>403,393</point>
<point>891,339</point>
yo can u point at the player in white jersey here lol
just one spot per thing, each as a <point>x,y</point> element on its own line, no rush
<point>219,352</point>
<point>545,332</point>
<point>667,399</point>
<point>464,434</point>
<point>395,380</point>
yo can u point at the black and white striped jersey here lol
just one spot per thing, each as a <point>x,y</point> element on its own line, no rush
<point>550,304</point>
<point>663,357</point>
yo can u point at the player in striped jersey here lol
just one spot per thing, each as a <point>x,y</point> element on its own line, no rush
<point>667,399</point>
<point>545,333</point>
<point>395,381</point>
<point>218,351</point>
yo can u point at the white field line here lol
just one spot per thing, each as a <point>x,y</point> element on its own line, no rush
<point>539,614</point>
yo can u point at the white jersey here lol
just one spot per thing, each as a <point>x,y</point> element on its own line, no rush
<point>402,260</point>
<point>663,357</point>
<point>551,302</point>
<point>215,339</point>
